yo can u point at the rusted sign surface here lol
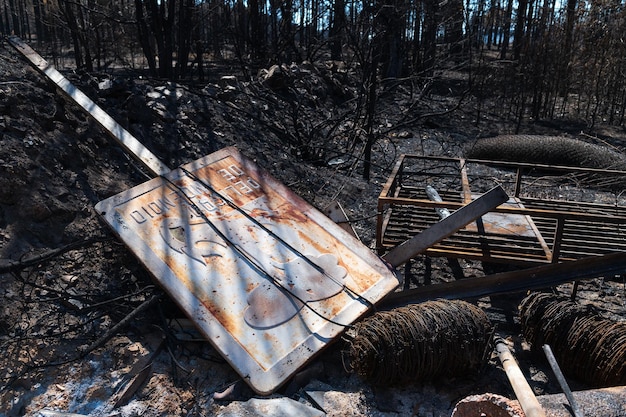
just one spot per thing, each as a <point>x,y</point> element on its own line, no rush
<point>267,278</point>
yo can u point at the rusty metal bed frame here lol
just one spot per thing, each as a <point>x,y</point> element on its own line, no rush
<point>555,213</point>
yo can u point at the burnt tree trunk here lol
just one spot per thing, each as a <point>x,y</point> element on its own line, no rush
<point>390,24</point>
<point>336,30</point>
<point>520,28</point>
<point>144,37</point>
<point>257,40</point>
<point>506,31</point>
<point>78,39</point>
<point>185,24</point>
<point>429,35</point>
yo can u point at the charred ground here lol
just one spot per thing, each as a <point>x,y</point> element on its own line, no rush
<point>66,281</point>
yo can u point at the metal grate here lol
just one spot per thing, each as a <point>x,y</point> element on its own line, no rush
<point>555,213</point>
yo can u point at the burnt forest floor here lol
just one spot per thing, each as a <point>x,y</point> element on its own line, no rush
<point>67,280</point>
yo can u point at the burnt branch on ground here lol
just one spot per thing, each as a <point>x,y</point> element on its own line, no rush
<point>65,303</point>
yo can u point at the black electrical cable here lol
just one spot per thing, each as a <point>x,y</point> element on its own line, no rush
<point>274,235</point>
<point>259,269</point>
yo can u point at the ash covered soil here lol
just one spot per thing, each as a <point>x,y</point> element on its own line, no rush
<point>67,281</point>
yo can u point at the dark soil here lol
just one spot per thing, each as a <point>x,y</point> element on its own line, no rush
<point>66,281</point>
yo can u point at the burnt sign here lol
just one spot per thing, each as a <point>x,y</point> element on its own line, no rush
<point>267,278</point>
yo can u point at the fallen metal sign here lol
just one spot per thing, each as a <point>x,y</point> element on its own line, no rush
<point>268,279</point>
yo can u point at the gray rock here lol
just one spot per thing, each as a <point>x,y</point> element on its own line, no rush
<point>272,407</point>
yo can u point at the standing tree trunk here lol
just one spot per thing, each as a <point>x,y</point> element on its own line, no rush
<point>26,32</point>
<point>431,8</point>
<point>257,40</point>
<point>287,39</point>
<point>273,4</point>
<point>184,35</point>
<point>216,27</point>
<point>37,11</point>
<point>370,81</point>
<point>144,37</point>
<point>17,30</point>
<point>520,28</point>
<point>564,70</point>
<point>372,97</point>
<point>487,26</point>
<point>170,28</point>
<point>454,27</point>
<point>336,30</point>
<point>85,23</point>
<point>390,23</point>
<point>161,22</point>
<point>316,16</point>
<point>417,30</point>
<point>75,31</point>
<point>166,54</point>
<point>506,31</point>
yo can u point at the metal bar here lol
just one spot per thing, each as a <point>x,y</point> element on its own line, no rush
<point>601,210</point>
<point>446,227</point>
<point>542,241</point>
<point>583,206</point>
<point>562,382</point>
<point>381,228</point>
<point>558,236</point>
<point>391,181</point>
<point>467,193</point>
<point>518,182</point>
<point>520,164</point>
<point>510,257</point>
<point>114,129</point>
<point>543,276</point>
<point>552,214</point>
<point>523,392</point>
<point>381,217</point>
